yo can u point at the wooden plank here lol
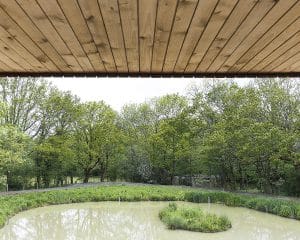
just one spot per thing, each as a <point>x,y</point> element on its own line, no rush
<point>129,18</point>
<point>14,12</point>
<point>202,15</point>
<point>38,17</point>
<point>15,35</point>
<point>284,25</point>
<point>19,36</point>
<point>10,63</point>
<point>293,67</point>
<point>73,13</point>
<point>59,21</point>
<point>287,54</point>
<point>271,18</point>
<point>255,16</point>
<point>221,13</point>
<point>147,18</point>
<point>12,43</point>
<point>184,14</point>
<point>279,41</point>
<point>234,20</point>
<point>91,11</point>
<point>285,66</point>
<point>16,57</point>
<point>4,67</point>
<point>164,22</point>
<point>111,17</point>
<point>276,53</point>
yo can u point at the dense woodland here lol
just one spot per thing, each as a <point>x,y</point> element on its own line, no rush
<point>247,137</point>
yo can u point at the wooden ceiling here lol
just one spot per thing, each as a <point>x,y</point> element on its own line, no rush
<point>157,37</point>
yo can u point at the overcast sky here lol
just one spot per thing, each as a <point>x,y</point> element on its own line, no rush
<point>119,91</point>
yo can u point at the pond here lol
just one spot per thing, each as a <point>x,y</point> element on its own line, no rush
<point>139,221</point>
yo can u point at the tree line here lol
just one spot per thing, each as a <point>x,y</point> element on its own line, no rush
<point>246,136</point>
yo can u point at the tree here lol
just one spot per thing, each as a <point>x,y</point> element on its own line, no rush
<point>23,98</point>
<point>54,156</point>
<point>138,122</point>
<point>14,149</point>
<point>171,138</point>
<point>95,137</point>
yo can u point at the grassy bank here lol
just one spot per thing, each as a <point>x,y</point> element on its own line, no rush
<point>11,205</point>
<point>193,219</point>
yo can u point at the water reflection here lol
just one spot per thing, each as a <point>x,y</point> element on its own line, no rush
<point>138,221</point>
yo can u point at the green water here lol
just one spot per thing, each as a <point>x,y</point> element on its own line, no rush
<point>139,221</point>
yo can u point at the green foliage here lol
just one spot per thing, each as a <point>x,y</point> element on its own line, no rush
<point>297,211</point>
<point>96,138</point>
<point>241,137</point>
<point>286,211</point>
<point>193,219</point>
<point>14,146</point>
<point>281,208</point>
<point>23,99</point>
<point>250,134</point>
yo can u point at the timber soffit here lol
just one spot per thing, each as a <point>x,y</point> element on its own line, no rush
<point>158,38</point>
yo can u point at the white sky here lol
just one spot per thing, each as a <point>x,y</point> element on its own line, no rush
<point>119,91</point>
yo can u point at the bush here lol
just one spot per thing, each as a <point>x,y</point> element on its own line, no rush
<point>193,219</point>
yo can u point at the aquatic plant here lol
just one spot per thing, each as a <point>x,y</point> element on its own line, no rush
<point>193,219</point>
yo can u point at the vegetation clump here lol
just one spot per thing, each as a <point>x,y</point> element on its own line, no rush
<point>279,207</point>
<point>193,219</point>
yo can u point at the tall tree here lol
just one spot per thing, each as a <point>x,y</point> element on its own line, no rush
<point>95,137</point>
<point>23,98</point>
<point>14,149</point>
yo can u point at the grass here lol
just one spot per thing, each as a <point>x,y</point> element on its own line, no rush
<point>11,205</point>
<point>193,219</point>
<point>283,208</point>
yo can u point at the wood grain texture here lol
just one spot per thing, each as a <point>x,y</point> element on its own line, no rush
<point>129,18</point>
<point>217,20</point>
<point>73,12</point>
<point>184,15</point>
<point>164,23</point>
<point>165,37</point>
<point>276,54</point>
<point>281,7</point>
<point>147,21</point>
<point>199,22</point>
<point>255,16</point>
<point>92,14</point>
<point>112,21</point>
<point>237,16</point>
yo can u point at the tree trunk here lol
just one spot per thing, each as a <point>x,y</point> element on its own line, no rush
<point>86,176</point>
<point>7,180</point>
<point>102,177</point>
<point>86,179</point>
<point>172,178</point>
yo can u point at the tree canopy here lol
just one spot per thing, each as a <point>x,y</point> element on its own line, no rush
<point>243,136</point>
